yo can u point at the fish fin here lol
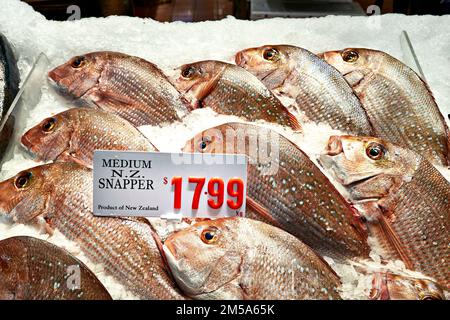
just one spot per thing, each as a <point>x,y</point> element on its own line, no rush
<point>358,222</point>
<point>371,213</point>
<point>392,237</point>
<point>44,225</point>
<point>116,104</point>
<point>258,208</point>
<point>96,95</point>
<point>294,122</point>
<point>66,156</point>
<point>447,131</point>
<point>204,90</point>
<point>185,102</point>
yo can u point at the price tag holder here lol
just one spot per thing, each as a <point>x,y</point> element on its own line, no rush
<point>169,185</point>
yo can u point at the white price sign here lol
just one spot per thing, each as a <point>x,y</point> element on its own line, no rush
<point>172,185</point>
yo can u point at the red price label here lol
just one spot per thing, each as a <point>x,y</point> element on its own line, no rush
<point>215,192</point>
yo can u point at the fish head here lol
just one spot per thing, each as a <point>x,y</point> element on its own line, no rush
<point>196,80</point>
<point>351,59</point>
<point>50,138</point>
<point>271,63</point>
<point>401,287</point>
<point>24,196</point>
<point>205,257</point>
<point>354,160</point>
<point>79,74</point>
<point>220,139</point>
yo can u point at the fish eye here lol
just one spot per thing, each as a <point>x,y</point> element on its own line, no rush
<point>78,62</point>
<point>23,180</point>
<point>188,72</point>
<point>429,296</point>
<point>270,54</point>
<point>375,151</point>
<point>209,235</point>
<point>204,143</point>
<point>350,56</point>
<point>49,125</point>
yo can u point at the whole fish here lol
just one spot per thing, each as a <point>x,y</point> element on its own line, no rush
<point>230,90</point>
<point>239,258</point>
<point>128,86</point>
<point>73,135</point>
<point>9,83</point>
<point>406,200</point>
<point>392,286</point>
<point>288,189</point>
<point>33,269</point>
<point>320,91</point>
<point>398,102</point>
<point>59,196</point>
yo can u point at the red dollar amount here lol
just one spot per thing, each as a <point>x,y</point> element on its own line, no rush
<point>216,191</point>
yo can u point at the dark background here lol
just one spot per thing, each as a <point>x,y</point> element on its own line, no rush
<point>200,10</point>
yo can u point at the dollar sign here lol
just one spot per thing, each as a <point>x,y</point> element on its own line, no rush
<point>165,180</point>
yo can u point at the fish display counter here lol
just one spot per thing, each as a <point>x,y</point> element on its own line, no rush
<point>357,206</point>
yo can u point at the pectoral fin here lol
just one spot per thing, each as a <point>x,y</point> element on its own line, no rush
<point>380,228</point>
<point>71,157</point>
<point>259,212</point>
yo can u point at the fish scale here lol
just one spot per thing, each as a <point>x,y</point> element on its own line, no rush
<point>398,102</point>
<point>378,96</point>
<point>304,203</point>
<point>34,269</point>
<point>421,218</point>
<point>128,86</point>
<point>131,258</point>
<point>262,263</point>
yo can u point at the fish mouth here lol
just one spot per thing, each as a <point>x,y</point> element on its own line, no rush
<point>26,142</point>
<point>71,90</point>
<point>337,165</point>
<point>181,280</point>
<point>174,268</point>
<point>54,76</point>
<point>27,148</point>
<point>240,59</point>
<point>329,163</point>
<point>61,89</point>
<point>335,161</point>
<point>160,246</point>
